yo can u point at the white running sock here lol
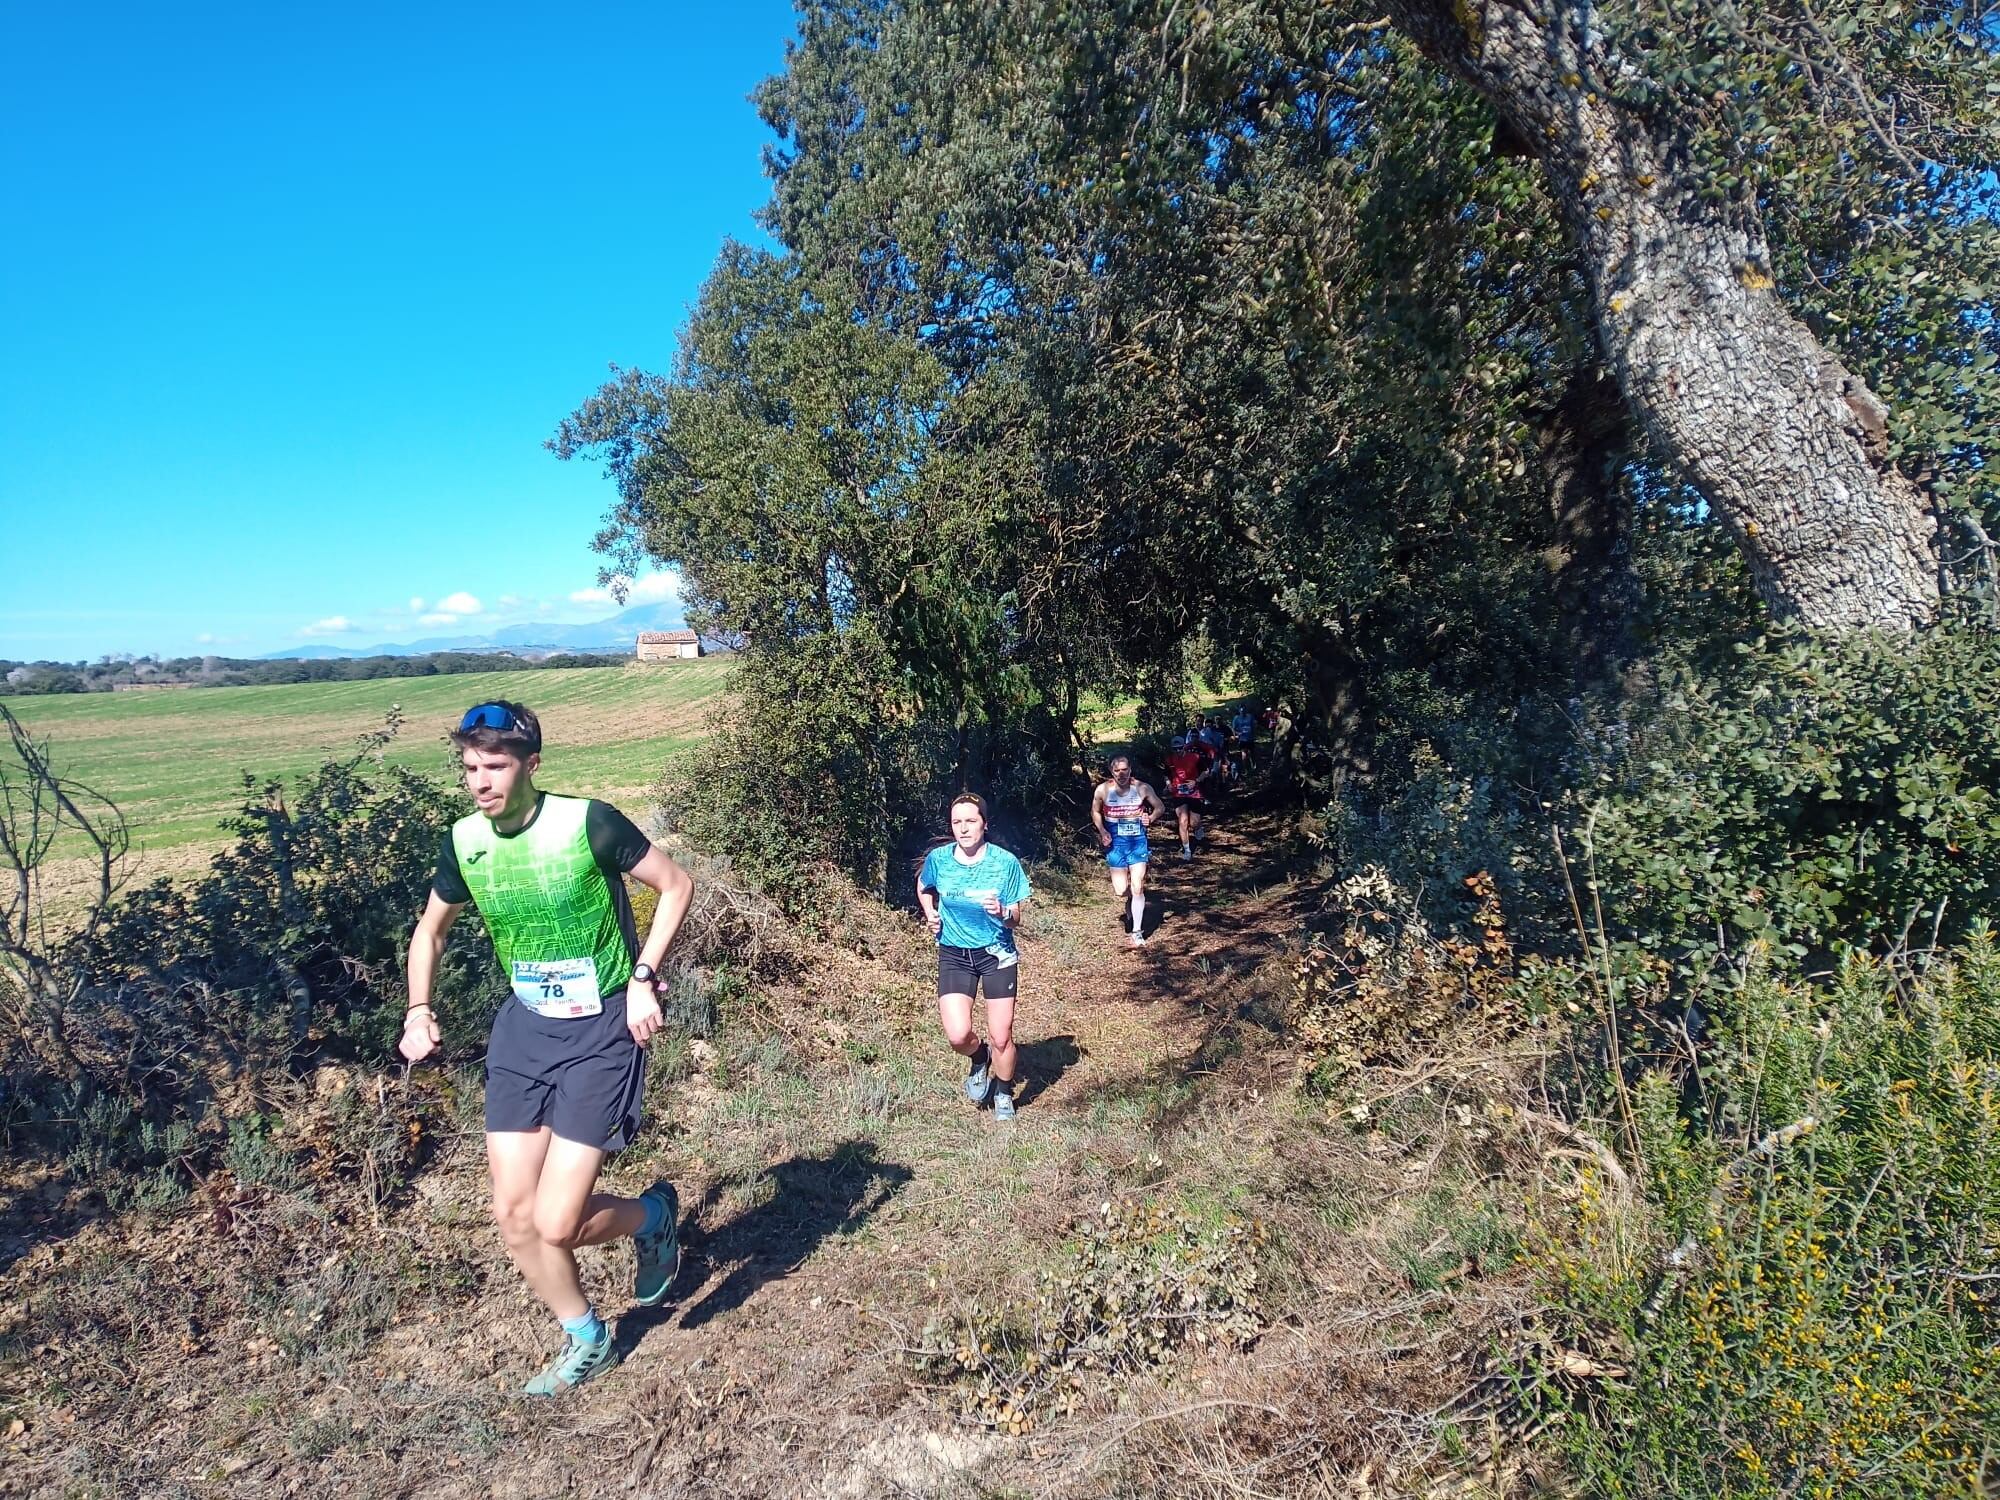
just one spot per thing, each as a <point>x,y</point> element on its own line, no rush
<point>1138,914</point>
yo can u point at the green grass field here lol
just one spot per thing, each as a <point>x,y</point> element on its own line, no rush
<point>173,761</point>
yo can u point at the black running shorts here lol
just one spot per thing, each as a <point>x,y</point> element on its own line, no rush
<point>589,1093</point>
<point>962,971</point>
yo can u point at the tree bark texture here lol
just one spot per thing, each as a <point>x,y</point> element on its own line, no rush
<point>1786,444</point>
<point>1583,440</point>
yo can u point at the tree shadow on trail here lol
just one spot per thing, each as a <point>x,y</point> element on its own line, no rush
<point>812,1198</point>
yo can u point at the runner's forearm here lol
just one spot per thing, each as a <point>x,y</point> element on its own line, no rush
<point>676,896</point>
<point>426,948</point>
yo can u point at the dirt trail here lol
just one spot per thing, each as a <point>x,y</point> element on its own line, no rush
<point>760,1346</point>
<point>826,1214</point>
<point>1208,921</point>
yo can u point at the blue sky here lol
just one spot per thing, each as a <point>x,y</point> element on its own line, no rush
<point>290,298</point>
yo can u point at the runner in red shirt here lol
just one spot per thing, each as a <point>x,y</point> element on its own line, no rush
<point>1189,771</point>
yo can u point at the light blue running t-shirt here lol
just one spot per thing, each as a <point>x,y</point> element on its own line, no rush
<point>962,890</point>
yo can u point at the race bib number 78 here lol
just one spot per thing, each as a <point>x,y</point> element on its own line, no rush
<point>565,989</point>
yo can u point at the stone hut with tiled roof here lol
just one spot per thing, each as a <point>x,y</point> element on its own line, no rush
<point>668,645</point>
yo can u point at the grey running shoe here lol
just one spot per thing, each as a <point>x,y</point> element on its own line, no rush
<point>979,1082</point>
<point>579,1361</point>
<point>658,1253</point>
<point>1003,1104</point>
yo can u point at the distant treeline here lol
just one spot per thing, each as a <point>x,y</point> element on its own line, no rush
<point>37,677</point>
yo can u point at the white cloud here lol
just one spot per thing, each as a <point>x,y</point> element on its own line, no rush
<point>416,604</point>
<point>654,588</point>
<point>460,603</point>
<point>204,639</point>
<point>437,619</point>
<point>511,601</point>
<point>331,625</point>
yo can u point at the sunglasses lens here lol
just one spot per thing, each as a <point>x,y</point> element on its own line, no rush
<point>486,716</point>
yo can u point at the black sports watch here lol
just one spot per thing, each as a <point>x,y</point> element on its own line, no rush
<point>644,973</point>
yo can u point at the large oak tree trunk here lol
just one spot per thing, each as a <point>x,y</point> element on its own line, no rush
<point>1583,439</point>
<point>1786,444</point>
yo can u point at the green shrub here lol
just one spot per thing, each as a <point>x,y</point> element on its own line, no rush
<point>1810,796</point>
<point>688,1006</point>
<point>255,1158</point>
<point>799,781</point>
<point>196,999</point>
<point>108,1143</point>
<point>1806,1298</point>
<point>821,772</point>
<point>1436,828</point>
<point>293,939</point>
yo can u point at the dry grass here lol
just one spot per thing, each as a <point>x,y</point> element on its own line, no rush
<point>839,1194</point>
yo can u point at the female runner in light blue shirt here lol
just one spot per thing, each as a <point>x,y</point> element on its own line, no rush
<point>971,893</point>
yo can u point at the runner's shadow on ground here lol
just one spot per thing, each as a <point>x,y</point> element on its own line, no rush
<point>1160,911</point>
<point>811,1199</point>
<point>28,1220</point>
<point>1042,1062</point>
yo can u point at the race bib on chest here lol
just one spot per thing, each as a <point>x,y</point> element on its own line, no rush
<point>563,990</point>
<point>1125,819</point>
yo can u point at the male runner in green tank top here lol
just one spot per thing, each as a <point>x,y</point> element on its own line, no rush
<point>565,1065</point>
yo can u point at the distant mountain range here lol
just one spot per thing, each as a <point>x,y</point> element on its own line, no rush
<point>614,634</point>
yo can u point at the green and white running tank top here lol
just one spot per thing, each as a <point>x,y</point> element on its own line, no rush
<point>542,894</point>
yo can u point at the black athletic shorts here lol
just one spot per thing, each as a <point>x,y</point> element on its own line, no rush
<point>961,971</point>
<point>1192,804</point>
<point>582,1078</point>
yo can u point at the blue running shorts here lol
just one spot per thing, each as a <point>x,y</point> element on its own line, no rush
<point>1127,849</point>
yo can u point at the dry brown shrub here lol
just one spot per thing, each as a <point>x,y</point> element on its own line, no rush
<point>1384,988</point>
<point>1140,1281</point>
<point>729,922</point>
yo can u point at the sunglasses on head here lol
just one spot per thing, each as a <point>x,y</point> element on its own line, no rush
<point>487,716</point>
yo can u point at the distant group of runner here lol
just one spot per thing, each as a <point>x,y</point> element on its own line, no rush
<point>971,891</point>
<point>1202,765</point>
<point>565,1061</point>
